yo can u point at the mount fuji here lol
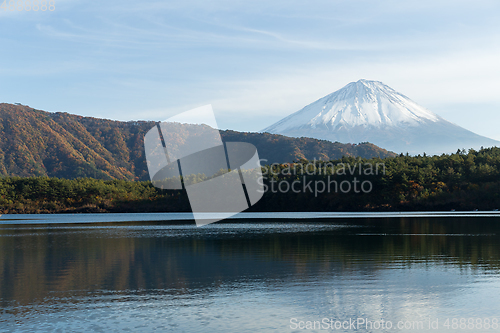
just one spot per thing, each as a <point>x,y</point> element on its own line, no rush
<point>372,111</point>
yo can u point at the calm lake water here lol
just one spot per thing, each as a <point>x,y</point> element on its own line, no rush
<point>262,272</point>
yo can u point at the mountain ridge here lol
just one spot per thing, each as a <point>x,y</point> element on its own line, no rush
<point>41,143</point>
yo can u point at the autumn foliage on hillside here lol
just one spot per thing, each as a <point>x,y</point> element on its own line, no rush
<point>39,143</point>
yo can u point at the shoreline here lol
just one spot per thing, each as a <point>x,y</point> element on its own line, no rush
<point>246,217</point>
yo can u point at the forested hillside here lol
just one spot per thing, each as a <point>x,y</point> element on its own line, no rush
<point>461,181</point>
<point>40,143</point>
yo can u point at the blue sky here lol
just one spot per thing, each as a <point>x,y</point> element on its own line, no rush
<point>254,61</point>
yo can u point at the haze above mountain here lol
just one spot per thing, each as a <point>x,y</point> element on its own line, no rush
<point>370,111</point>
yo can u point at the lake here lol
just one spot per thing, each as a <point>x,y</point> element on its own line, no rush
<point>270,272</point>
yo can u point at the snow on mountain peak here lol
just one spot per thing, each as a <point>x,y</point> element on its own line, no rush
<point>362,103</point>
<point>371,111</point>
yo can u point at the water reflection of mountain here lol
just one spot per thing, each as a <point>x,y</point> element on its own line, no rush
<point>40,262</point>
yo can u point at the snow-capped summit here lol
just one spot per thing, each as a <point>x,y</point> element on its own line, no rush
<point>372,111</point>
